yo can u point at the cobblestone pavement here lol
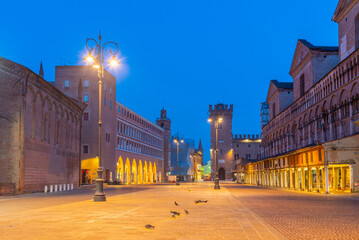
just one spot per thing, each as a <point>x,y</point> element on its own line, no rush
<point>301,215</point>
<point>127,211</point>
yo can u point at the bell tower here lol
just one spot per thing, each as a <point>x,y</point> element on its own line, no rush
<point>165,123</point>
<point>225,149</point>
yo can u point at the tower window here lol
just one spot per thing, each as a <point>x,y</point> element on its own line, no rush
<point>67,83</point>
<point>86,83</point>
<point>86,98</point>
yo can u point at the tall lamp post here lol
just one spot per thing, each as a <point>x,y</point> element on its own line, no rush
<point>177,139</point>
<point>96,56</point>
<point>216,122</point>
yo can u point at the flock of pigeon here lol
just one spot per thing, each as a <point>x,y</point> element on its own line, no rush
<point>175,214</point>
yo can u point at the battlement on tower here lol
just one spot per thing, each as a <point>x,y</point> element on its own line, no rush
<point>221,107</point>
<point>247,137</point>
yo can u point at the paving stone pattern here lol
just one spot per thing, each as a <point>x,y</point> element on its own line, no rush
<point>300,215</point>
<point>124,216</point>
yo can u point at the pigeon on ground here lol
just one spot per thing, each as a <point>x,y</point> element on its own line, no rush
<point>149,226</point>
<point>200,201</point>
<point>175,213</point>
<point>186,211</point>
<point>176,203</point>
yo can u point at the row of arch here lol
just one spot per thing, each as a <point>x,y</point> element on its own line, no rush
<point>345,72</point>
<point>328,120</point>
<point>137,172</point>
<point>49,121</point>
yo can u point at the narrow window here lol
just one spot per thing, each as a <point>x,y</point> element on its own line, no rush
<point>86,149</point>
<point>86,83</point>
<point>301,85</point>
<point>86,98</point>
<point>86,116</point>
<point>67,83</point>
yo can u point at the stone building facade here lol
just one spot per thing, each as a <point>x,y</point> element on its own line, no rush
<point>41,129</point>
<point>312,144</point>
<point>139,148</point>
<point>131,146</point>
<point>230,148</point>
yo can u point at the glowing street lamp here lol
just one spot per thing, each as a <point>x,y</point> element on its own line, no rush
<point>216,122</point>
<point>96,57</point>
<point>177,138</point>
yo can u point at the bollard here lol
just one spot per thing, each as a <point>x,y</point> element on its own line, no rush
<point>51,188</point>
<point>45,189</point>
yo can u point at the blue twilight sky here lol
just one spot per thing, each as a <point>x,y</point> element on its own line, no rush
<point>181,54</point>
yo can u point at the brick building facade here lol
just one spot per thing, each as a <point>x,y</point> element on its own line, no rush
<point>312,144</point>
<point>41,129</point>
<point>230,148</point>
<point>132,147</point>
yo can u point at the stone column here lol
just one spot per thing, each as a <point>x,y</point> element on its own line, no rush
<point>326,179</point>
<point>323,132</point>
<point>350,117</point>
<point>340,123</point>
<point>330,125</point>
<point>351,178</point>
<point>318,180</point>
<point>309,135</point>
<point>315,130</point>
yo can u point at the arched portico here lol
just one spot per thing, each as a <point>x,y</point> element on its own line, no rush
<point>127,179</point>
<point>140,172</point>
<point>150,173</point>
<point>154,172</point>
<point>120,169</point>
<point>134,171</point>
<point>145,173</point>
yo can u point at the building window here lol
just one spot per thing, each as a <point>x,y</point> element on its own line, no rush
<point>107,137</point>
<point>110,90</point>
<point>86,98</point>
<point>86,116</point>
<point>67,83</point>
<point>301,85</point>
<point>86,149</point>
<point>110,104</point>
<point>105,100</point>
<point>119,109</point>
<point>104,87</point>
<point>86,83</point>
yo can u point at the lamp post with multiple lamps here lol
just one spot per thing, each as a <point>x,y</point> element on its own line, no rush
<point>96,56</point>
<point>216,121</point>
<point>177,138</point>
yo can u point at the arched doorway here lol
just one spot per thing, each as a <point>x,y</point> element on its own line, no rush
<point>221,174</point>
<point>127,179</point>
<point>140,172</point>
<point>119,176</point>
<point>134,171</point>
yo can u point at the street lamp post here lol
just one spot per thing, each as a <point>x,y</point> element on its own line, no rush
<point>216,122</point>
<point>177,139</point>
<point>96,57</point>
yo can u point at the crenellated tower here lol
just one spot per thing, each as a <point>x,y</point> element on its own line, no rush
<point>225,149</point>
